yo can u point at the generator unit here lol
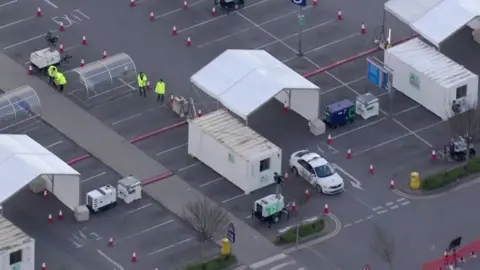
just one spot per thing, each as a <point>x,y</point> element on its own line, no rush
<point>129,189</point>
<point>101,198</point>
<point>270,209</point>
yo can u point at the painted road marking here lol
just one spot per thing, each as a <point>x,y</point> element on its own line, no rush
<point>189,166</point>
<point>171,149</point>
<point>233,198</point>
<point>340,86</point>
<point>117,265</point>
<point>69,19</point>
<point>145,231</point>
<point>171,246</point>
<point>126,118</point>
<point>401,200</point>
<point>359,221</point>
<point>138,209</point>
<point>394,207</point>
<point>50,3</point>
<point>27,40</point>
<point>382,212</point>
<point>347,225</point>
<point>92,177</point>
<point>53,144</point>
<point>211,182</point>
<point>360,127</point>
<point>16,22</point>
<point>405,203</point>
<point>389,203</point>
<point>369,217</point>
<point>377,208</point>
<point>177,10</point>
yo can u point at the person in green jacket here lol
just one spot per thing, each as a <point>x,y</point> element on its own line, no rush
<point>160,90</point>
<point>60,81</point>
<point>52,72</point>
<point>142,84</point>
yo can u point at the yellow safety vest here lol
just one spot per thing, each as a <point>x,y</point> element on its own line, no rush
<point>142,81</point>
<point>60,79</point>
<point>160,88</point>
<point>52,70</point>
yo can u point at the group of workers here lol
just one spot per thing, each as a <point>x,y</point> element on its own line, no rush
<point>59,81</point>
<point>56,77</point>
<point>142,87</point>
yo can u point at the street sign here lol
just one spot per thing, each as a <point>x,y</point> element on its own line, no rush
<point>301,19</point>
<point>378,74</point>
<point>302,3</point>
<point>231,233</point>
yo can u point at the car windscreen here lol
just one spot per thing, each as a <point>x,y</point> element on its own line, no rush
<point>324,170</point>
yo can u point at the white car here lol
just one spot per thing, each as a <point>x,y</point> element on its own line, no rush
<point>317,171</point>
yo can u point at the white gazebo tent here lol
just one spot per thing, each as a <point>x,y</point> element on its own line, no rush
<point>435,20</point>
<point>244,80</point>
<point>23,160</point>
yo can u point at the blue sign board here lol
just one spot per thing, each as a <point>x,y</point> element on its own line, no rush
<point>302,3</point>
<point>379,75</point>
<point>231,233</point>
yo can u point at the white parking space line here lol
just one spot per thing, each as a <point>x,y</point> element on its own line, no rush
<point>340,86</point>
<point>138,209</point>
<point>359,221</point>
<point>394,207</point>
<point>360,127</point>
<point>405,203</point>
<point>377,208</point>
<point>53,144</point>
<point>233,198</point>
<point>369,217</point>
<point>116,264</point>
<point>407,110</point>
<point>413,133</point>
<point>382,212</point>
<point>178,9</point>
<point>171,246</point>
<point>126,119</point>
<point>401,200</point>
<point>171,149</point>
<point>27,40</point>
<point>50,3</point>
<point>145,231</point>
<point>16,22</point>
<point>127,84</point>
<point>8,3</point>
<point>211,182</point>
<point>347,225</point>
<point>189,166</point>
<point>92,177</point>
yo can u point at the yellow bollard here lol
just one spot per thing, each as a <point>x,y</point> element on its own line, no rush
<point>414,180</point>
<point>225,247</point>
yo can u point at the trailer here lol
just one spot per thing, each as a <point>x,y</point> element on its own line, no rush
<point>233,150</point>
<point>430,78</point>
<point>17,249</point>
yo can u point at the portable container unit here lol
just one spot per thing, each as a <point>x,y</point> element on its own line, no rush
<point>430,78</point>
<point>234,150</point>
<point>17,249</point>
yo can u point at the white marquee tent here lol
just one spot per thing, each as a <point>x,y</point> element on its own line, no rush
<point>244,80</point>
<point>435,20</point>
<point>23,160</point>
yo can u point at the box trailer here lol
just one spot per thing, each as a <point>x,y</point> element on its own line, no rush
<point>430,78</point>
<point>234,150</point>
<point>17,249</point>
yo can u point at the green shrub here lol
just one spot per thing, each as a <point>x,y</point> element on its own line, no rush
<point>217,263</point>
<point>305,230</point>
<point>442,179</point>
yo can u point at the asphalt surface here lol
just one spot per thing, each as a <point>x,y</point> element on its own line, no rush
<point>384,142</point>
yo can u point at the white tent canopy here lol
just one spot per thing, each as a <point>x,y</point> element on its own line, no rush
<point>23,160</point>
<point>435,20</point>
<point>244,80</point>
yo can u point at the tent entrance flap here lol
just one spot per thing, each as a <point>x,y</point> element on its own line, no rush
<point>19,108</point>
<point>105,76</point>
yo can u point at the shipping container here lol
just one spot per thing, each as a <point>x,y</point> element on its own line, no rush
<point>430,78</point>
<point>234,150</point>
<point>17,249</point>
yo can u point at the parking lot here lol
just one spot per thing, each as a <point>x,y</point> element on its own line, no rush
<point>85,246</point>
<point>404,134</point>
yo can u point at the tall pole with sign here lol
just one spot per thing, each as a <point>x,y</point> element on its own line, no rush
<point>301,21</point>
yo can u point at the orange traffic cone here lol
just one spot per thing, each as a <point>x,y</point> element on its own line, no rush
<point>286,175</point>
<point>134,257</point>
<point>84,40</point>
<point>285,107</point>
<point>50,219</point>
<point>472,254</point>
<point>315,3</point>
<point>82,62</point>
<point>152,17</point>
<point>349,153</point>
<point>30,70</point>
<point>60,215</point>
<point>371,170</point>
<point>392,184</point>
<point>307,193</point>
<point>199,113</point>
<point>171,99</point>
<point>110,242</point>
<point>329,139</point>
<point>174,30</point>
<point>339,15</point>
<point>189,42</point>
<point>325,209</point>
<point>132,3</point>
<point>149,86</point>
<point>61,48</point>
<point>45,193</point>
<point>363,30</point>
<point>104,56</point>
<point>39,12</point>
<point>62,27</point>
<point>185,4</point>
<point>214,12</point>
<point>44,266</point>
<point>294,207</point>
<point>434,155</point>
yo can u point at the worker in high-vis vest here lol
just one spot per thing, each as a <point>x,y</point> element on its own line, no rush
<point>60,81</point>
<point>142,84</point>
<point>160,90</point>
<point>52,71</point>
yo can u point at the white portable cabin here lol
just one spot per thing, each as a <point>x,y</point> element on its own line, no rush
<point>234,150</point>
<point>431,78</point>
<point>17,249</point>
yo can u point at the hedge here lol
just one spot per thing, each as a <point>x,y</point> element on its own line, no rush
<point>305,230</point>
<point>217,263</point>
<point>442,179</point>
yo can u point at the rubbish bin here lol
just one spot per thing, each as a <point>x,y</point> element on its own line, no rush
<point>414,180</point>
<point>225,247</point>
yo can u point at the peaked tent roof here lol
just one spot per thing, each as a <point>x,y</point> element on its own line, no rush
<point>22,160</point>
<point>427,17</point>
<point>243,80</point>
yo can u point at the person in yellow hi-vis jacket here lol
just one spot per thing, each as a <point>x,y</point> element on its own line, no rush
<point>52,71</point>
<point>160,90</point>
<point>60,81</point>
<point>142,84</point>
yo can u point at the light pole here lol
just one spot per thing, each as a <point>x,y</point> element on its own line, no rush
<point>301,22</point>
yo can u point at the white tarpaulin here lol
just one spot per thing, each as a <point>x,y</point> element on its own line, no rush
<point>435,20</point>
<point>22,160</point>
<point>244,80</point>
